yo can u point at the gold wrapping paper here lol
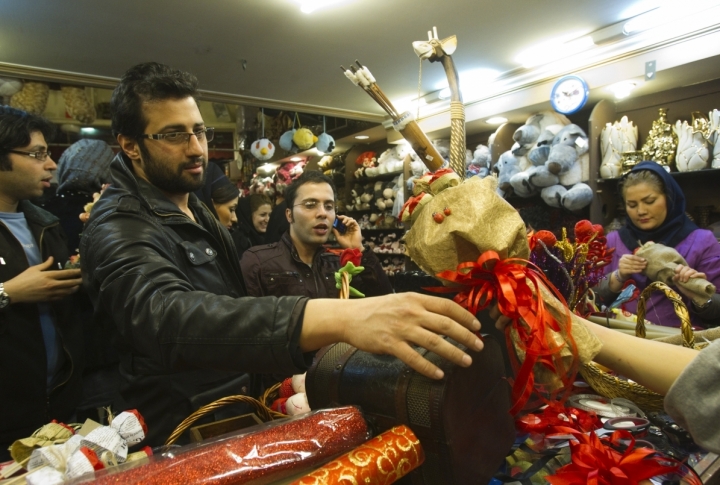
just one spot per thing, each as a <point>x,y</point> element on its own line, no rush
<point>661,263</point>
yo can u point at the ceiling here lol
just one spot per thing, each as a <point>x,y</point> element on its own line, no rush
<point>268,53</point>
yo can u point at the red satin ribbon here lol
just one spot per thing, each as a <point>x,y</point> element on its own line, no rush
<point>515,284</point>
<point>554,416</point>
<point>595,463</point>
<point>411,203</point>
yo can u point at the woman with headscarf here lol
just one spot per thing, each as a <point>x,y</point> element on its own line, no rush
<point>253,219</point>
<point>655,206</point>
<point>220,195</point>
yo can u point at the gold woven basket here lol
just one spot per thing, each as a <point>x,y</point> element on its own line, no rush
<point>262,409</point>
<point>613,387</point>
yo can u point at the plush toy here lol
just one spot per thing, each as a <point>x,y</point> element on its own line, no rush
<point>286,141</point>
<point>304,138</point>
<point>10,86</point>
<point>325,143</point>
<point>262,149</point>
<point>32,98</point>
<point>287,172</point>
<point>553,160</point>
<point>527,135</point>
<point>78,105</point>
<point>505,168</point>
<point>480,163</point>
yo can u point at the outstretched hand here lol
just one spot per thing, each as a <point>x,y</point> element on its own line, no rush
<point>393,324</point>
<point>39,284</point>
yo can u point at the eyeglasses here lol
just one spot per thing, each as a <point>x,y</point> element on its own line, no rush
<point>39,156</point>
<point>311,205</point>
<point>183,138</point>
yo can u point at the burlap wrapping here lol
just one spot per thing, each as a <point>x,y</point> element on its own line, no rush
<point>481,221</point>
<point>50,434</point>
<point>661,263</point>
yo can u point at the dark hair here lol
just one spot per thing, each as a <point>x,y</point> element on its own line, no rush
<point>307,177</point>
<point>225,193</point>
<point>259,200</point>
<point>16,126</point>
<point>643,177</point>
<point>150,81</point>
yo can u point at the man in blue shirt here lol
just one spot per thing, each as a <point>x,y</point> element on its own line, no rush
<point>39,342</point>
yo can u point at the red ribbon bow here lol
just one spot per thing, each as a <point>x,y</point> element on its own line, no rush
<point>595,463</point>
<point>353,255</point>
<point>555,415</point>
<point>515,284</point>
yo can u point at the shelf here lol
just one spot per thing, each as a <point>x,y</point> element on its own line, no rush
<point>679,175</point>
<point>381,177</point>
<point>372,229</point>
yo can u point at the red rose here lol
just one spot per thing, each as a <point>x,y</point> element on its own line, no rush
<point>353,255</point>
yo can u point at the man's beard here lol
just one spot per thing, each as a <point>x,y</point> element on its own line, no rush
<point>162,176</point>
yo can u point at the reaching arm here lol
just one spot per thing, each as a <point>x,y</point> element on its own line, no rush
<point>655,365</point>
<point>391,324</point>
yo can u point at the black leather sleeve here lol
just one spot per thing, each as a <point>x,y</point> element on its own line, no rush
<point>132,273</point>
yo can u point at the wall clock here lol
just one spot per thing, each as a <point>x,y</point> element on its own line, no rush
<point>569,94</point>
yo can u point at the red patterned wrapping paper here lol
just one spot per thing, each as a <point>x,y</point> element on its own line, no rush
<point>381,461</point>
<point>278,451</point>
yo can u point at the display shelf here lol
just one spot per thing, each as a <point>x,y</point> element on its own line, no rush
<point>378,178</point>
<point>383,229</point>
<point>706,172</point>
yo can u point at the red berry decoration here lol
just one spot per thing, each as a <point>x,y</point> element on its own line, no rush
<point>447,211</point>
<point>439,217</point>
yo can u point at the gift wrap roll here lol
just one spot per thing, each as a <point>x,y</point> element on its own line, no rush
<point>278,450</point>
<point>381,461</point>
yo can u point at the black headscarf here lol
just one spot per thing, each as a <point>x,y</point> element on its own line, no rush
<point>217,187</point>
<point>676,226</point>
<point>245,224</point>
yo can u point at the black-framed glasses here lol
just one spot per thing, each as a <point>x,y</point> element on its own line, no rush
<point>183,138</point>
<point>311,205</point>
<point>39,156</point>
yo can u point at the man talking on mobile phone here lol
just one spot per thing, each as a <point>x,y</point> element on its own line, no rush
<point>300,264</point>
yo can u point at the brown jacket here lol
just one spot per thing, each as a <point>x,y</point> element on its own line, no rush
<point>276,270</point>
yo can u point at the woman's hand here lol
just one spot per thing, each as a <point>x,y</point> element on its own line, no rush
<point>682,275</point>
<point>629,265</point>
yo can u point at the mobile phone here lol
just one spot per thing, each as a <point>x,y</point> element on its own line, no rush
<point>338,224</point>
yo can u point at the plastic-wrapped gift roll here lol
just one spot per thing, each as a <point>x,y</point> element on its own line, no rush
<point>381,461</point>
<point>277,450</point>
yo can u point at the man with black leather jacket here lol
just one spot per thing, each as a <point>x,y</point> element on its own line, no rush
<point>158,263</point>
<point>40,340</point>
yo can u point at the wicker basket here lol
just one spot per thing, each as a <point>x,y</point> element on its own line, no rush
<point>262,408</point>
<point>614,387</point>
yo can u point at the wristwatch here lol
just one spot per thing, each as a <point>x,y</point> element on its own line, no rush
<point>4,297</point>
<point>697,307</point>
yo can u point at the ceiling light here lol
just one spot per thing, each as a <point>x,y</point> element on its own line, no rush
<point>295,159</point>
<point>309,6</point>
<point>88,130</point>
<point>496,120</point>
<point>623,89</point>
<point>666,13</point>
<point>362,137</point>
<point>553,50</point>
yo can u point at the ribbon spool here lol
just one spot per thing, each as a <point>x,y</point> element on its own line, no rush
<point>602,406</point>
<point>636,426</point>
